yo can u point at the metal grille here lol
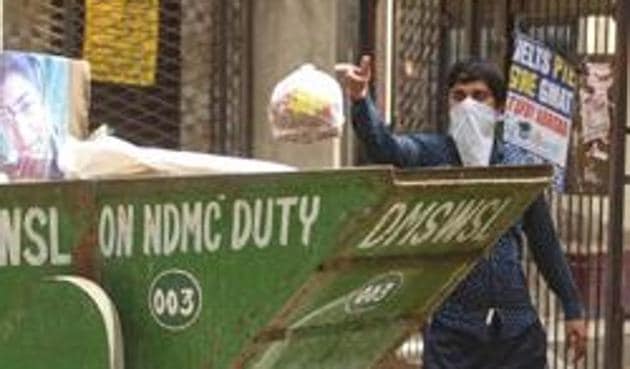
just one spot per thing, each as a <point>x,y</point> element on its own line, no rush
<point>583,30</point>
<point>580,219</point>
<point>199,99</point>
<point>417,66</point>
<point>230,86</point>
<point>580,223</point>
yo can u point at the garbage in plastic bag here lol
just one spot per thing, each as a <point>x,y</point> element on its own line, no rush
<point>306,106</point>
<point>105,156</point>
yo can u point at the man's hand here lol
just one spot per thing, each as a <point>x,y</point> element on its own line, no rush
<point>576,336</point>
<point>356,79</point>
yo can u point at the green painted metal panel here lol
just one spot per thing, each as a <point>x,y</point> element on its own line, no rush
<point>277,270</point>
<point>56,325</point>
<point>44,229</point>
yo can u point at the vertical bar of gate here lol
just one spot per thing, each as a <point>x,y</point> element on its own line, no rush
<point>227,38</point>
<point>223,39</point>
<point>615,315</point>
<point>563,10</point>
<point>69,34</point>
<point>390,61</point>
<point>247,89</point>
<point>551,24</point>
<point>571,240</point>
<point>601,252</point>
<point>585,249</point>
<point>365,27</point>
<point>432,109</point>
<point>474,32</point>
<point>468,31</point>
<point>1,25</point>
<point>463,46</point>
<point>582,250</point>
<point>459,32</point>
<point>443,65</point>
<point>501,34</point>
<point>551,303</point>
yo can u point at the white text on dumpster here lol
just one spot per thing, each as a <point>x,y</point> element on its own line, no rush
<point>195,227</point>
<point>437,222</point>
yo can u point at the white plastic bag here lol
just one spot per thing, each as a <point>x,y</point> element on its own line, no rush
<point>306,106</point>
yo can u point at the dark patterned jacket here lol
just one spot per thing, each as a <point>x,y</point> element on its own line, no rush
<point>497,282</point>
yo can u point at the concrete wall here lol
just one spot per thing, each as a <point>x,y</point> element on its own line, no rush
<point>286,34</point>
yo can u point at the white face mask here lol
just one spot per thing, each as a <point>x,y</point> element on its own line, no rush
<point>472,127</point>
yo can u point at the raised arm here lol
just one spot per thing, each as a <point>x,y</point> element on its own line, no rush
<point>385,147</point>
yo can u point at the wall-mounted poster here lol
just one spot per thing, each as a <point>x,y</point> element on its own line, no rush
<point>590,152</point>
<point>540,105</point>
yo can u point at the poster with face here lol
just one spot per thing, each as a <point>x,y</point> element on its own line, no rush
<point>595,102</point>
<point>591,147</point>
<point>38,105</point>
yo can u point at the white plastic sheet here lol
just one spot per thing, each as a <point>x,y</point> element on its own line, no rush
<point>107,156</point>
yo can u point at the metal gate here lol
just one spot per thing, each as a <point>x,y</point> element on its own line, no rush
<point>429,35</point>
<point>197,94</point>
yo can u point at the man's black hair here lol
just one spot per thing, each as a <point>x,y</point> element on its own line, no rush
<point>476,69</point>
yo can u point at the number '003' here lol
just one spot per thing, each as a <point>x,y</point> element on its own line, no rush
<point>173,303</point>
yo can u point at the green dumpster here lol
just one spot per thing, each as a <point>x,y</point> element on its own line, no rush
<point>315,269</point>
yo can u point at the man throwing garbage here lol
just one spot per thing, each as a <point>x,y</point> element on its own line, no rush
<point>489,320</point>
